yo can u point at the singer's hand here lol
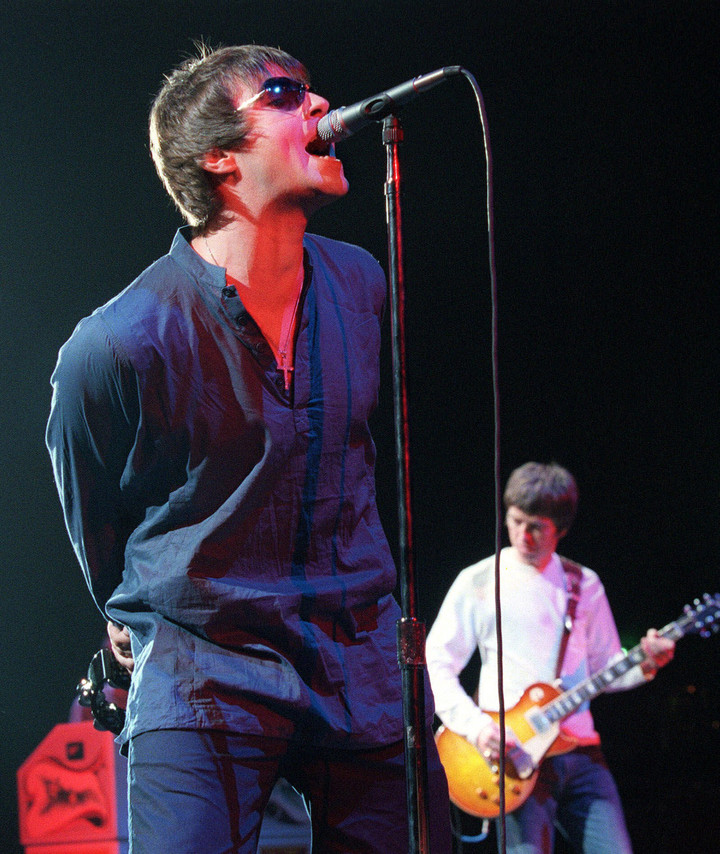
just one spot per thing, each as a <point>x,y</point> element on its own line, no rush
<point>120,645</point>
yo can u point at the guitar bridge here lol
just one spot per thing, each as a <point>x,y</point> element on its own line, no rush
<point>522,762</point>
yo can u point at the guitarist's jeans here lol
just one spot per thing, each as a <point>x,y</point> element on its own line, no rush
<point>575,790</point>
<point>204,792</point>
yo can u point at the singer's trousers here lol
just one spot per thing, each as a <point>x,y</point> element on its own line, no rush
<point>204,792</point>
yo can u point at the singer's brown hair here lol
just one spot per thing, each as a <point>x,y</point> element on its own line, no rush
<point>194,113</point>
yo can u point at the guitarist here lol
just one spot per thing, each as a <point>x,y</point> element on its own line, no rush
<point>575,790</point>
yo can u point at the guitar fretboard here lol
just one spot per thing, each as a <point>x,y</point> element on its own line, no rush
<point>573,698</point>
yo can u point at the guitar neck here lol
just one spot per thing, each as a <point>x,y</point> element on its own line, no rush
<point>566,703</point>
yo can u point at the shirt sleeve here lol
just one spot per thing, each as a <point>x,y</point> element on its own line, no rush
<point>89,435</point>
<point>451,643</point>
<point>603,642</point>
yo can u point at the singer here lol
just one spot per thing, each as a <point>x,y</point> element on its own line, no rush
<point>210,442</point>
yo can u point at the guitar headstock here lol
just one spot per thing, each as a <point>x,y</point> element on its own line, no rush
<point>703,616</point>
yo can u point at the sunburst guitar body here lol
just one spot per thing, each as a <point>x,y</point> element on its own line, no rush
<point>475,782</point>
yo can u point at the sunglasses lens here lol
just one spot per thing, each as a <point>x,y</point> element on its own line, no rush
<point>284,93</point>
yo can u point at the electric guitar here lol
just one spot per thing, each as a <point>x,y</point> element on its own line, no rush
<point>474,781</point>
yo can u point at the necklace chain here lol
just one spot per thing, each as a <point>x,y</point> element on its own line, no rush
<point>286,367</point>
<point>212,254</point>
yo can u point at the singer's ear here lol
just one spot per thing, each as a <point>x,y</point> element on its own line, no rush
<point>219,162</point>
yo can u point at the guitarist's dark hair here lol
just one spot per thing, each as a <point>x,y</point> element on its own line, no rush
<point>543,489</point>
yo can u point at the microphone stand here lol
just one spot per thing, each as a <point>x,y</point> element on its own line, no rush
<point>410,632</point>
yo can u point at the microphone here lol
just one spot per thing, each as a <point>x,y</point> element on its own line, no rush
<point>345,121</point>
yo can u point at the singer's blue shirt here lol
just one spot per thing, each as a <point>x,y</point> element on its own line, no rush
<point>232,525</point>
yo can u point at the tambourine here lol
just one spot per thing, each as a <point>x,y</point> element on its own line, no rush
<point>104,670</point>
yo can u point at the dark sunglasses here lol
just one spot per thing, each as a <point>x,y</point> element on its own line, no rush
<point>280,93</point>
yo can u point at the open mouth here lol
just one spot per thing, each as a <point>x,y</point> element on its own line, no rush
<point>319,148</point>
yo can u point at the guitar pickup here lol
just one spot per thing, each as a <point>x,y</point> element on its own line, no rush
<point>537,720</point>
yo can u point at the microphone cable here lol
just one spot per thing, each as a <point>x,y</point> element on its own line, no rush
<point>497,482</point>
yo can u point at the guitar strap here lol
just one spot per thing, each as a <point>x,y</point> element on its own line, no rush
<point>573,576</point>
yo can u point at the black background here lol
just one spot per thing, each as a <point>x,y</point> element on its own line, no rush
<point>604,134</point>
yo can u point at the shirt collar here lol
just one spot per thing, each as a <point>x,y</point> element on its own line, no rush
<point>182,252</point>
<point>200,269</point>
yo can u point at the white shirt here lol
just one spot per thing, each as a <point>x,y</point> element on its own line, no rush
<point>533,607</point>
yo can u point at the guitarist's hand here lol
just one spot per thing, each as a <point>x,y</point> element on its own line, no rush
<point>488,742</point>
<point>120,645</point>
<point>659,651</point>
